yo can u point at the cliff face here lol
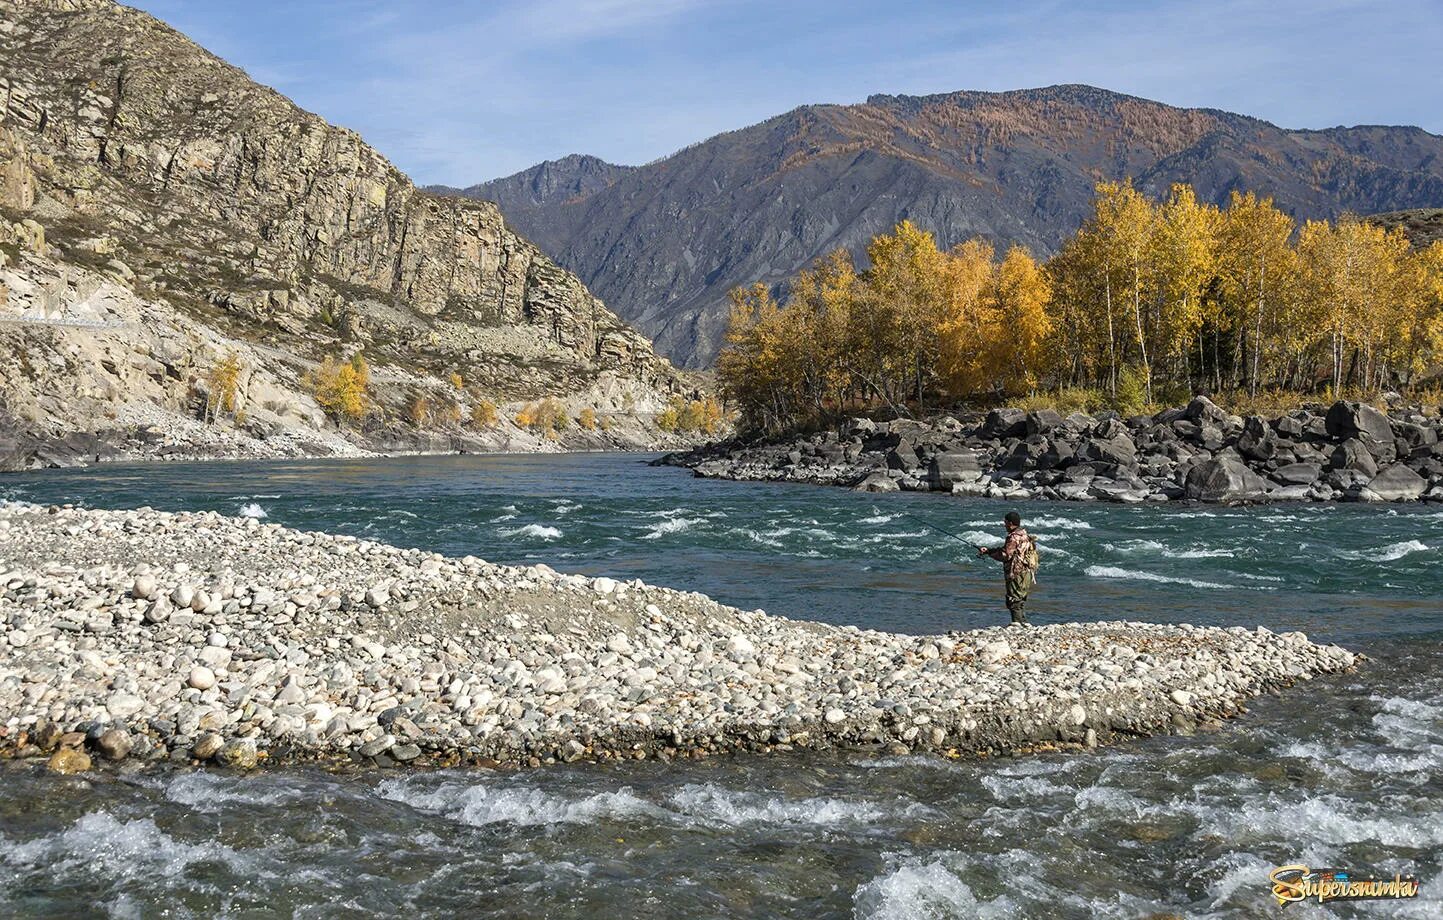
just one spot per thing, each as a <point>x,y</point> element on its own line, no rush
<point>663,243</point>
<point>126,148</point>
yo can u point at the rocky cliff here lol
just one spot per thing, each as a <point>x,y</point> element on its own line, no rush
<point>664,243</point>
<point>134,162</point>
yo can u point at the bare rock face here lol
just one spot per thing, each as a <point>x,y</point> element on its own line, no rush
<point>128,151</point>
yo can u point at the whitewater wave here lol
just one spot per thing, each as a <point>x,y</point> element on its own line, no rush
<point>712,804</point>
<point>1112,571</point>
<point>206,791</point>
<point>478,805</point>
<point>670,525</point>
<point>922,891</point>
<point>540,531</point>
<point>253,510</point>
<point>135,849</point>
<point>879,518</point>
<point>1390,553</point>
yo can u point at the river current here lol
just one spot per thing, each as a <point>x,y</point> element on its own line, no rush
<point>1346,772</point>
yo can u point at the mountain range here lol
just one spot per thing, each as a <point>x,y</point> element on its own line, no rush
<point>664,243</point>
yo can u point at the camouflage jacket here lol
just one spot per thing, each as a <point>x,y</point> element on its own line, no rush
<point>1013,554</point>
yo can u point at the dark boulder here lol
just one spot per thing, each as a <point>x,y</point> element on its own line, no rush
<point>902,457</point>
<point>1005,423</point>
<point>1289,426</point>
<point>1297,474</point>
<point>1358,420</point>
<point>1352,454</point>
<point>1043,421</point>
<point>1202,410</point>
<point>1119,450</point>
<point>1224,479</point>
<point>1257,441</point>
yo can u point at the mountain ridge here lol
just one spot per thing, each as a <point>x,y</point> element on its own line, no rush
<point>664,242</point>
<point>131,156</point>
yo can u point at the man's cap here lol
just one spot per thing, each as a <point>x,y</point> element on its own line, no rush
<point>1013,518</point>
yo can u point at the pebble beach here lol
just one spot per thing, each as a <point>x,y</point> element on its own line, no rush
<point>137,636</point>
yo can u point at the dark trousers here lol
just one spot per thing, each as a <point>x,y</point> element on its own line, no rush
<point>1019,585</point>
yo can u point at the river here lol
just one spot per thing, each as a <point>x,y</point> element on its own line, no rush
<point>1347,772</point>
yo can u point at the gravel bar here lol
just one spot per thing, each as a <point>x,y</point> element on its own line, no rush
<point>135,636</point>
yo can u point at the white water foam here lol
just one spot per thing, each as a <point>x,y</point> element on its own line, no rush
<point>207,791</point>
<point>670,525</point>
<point>253,510</point>
<point>712,804</point>
<point>1326,820</point>
<point>1390,553</point>
<point>541,531</point>
<point>479,805</point>
<point>923,891</point>
<point>1055,523</point>
<point>1135,546</point>
<point>1112,571</point>
<point>135,849</point>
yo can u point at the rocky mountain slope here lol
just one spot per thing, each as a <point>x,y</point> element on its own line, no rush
<point>664,243</point>
<point>1423,226</point>
<point>158,209</point>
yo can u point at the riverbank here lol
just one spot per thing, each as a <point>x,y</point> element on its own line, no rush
<point>1343,452</point>
<point>147,636</point>
<point>173,438</point>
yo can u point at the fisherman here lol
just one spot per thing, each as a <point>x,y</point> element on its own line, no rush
<point>1019,566</point>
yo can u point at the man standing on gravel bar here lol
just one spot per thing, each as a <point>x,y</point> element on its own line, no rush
<point>1019,565</point>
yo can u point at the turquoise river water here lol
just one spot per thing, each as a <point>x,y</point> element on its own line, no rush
<point>1346,772</point>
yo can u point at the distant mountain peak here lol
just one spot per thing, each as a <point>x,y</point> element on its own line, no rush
<point>664,242</point>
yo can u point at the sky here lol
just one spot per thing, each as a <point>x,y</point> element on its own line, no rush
<point>461,92</point>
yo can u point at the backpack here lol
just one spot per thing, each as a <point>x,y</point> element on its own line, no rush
<point>1030,559</point>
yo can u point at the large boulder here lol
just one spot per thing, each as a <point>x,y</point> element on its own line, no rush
<point>1223,479</point>
<point>1005,423</point>
<point>1118,449</point>
<point>1202,409</point>
<point>1353,454</point>
<point>1258,441</point>
<point>877,482</point>
<point>1297,474</point>
<point>953,466</point>
<point>1043,421</point>
<point>902,457</point>
<point>1358,420</point>
<point>1398,483</point>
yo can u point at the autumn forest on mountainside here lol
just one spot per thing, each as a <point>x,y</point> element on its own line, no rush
<point>1147,303</point>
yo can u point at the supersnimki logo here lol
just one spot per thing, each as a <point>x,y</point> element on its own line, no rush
<point>1299,883</point>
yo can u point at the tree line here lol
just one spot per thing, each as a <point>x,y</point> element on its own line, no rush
<point>1148,300</point>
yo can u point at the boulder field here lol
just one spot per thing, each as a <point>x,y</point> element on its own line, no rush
<point>1348,451</point>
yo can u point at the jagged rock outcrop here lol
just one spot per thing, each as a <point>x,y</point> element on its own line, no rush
<point>127,151</point>
<point>663,243</point>
<point>215,211</point>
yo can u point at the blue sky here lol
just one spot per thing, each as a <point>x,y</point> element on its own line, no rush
<point>458,92</point>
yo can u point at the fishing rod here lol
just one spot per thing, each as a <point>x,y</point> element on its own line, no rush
<point>940,530</point>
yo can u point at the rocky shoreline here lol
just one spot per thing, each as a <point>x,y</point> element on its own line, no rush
<point>1344,452</point>
<point>131,637</point>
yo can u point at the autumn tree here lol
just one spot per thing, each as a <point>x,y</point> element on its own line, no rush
<point>342,389</point>
<point>1256,265</point>
<point>223,387</point>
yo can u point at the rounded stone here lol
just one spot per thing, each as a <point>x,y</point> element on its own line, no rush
<point>200,678</point>
<point>68,761</point>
